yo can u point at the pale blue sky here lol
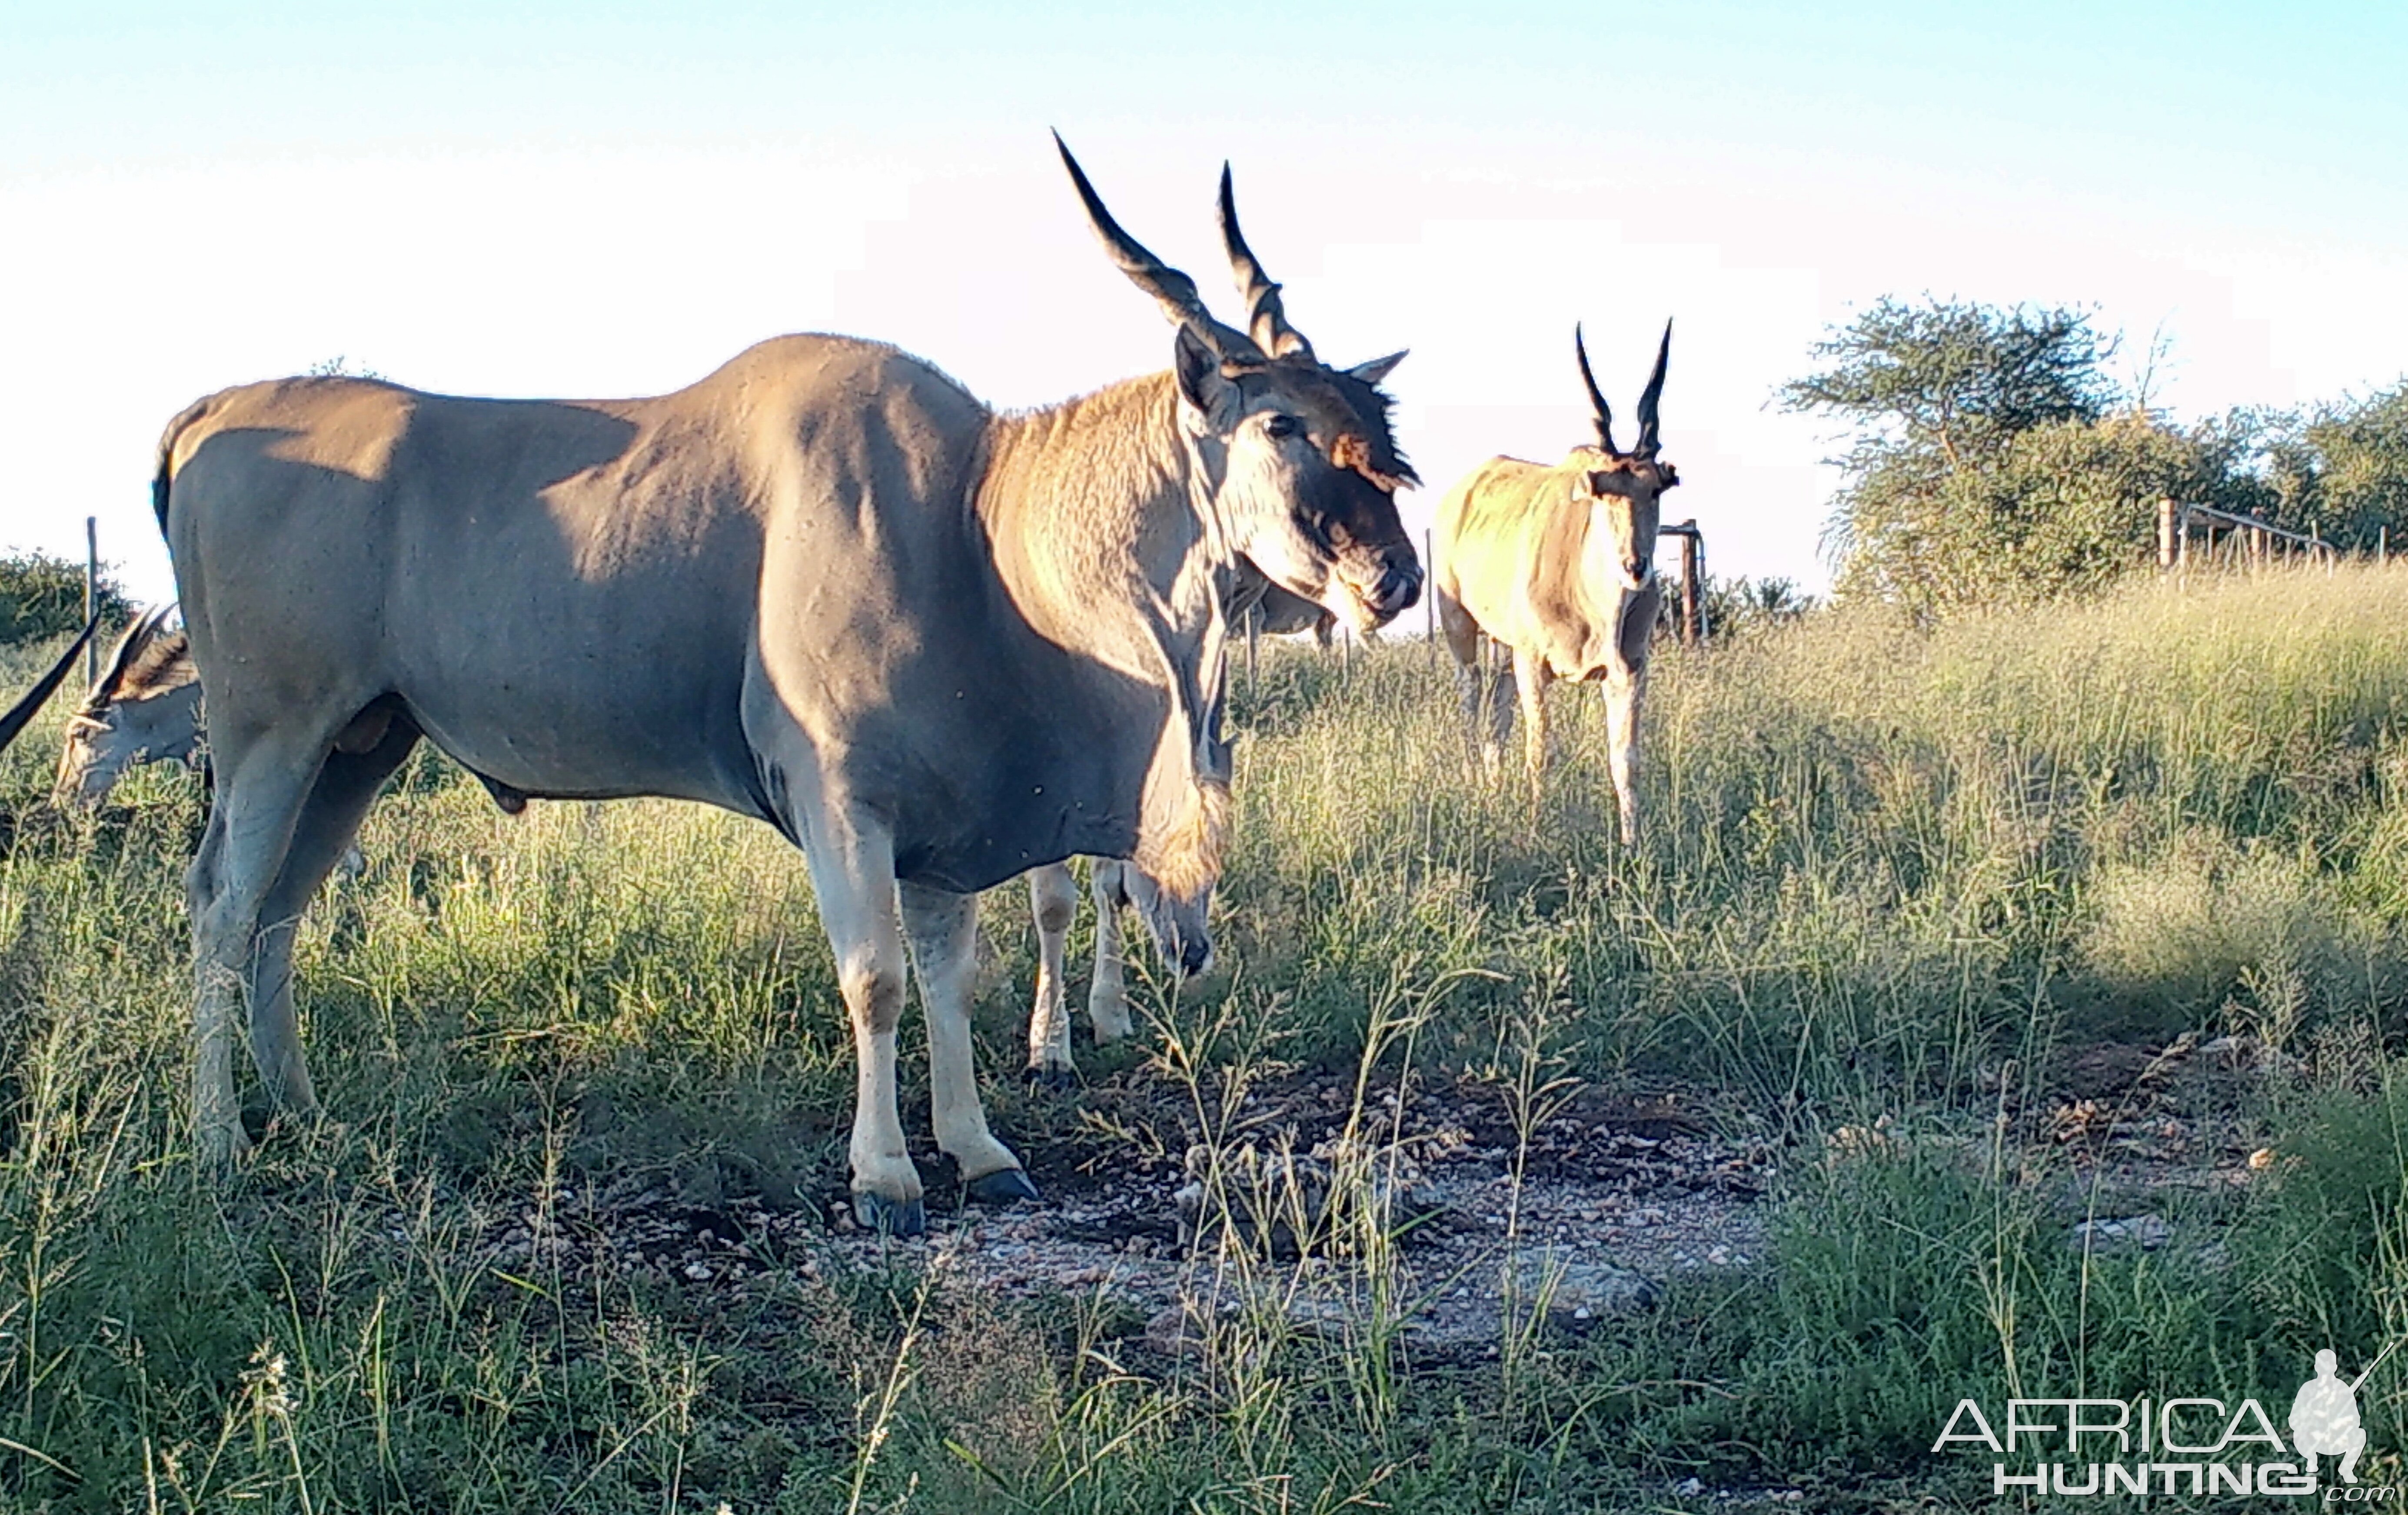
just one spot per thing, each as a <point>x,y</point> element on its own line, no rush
<point>611,198</point>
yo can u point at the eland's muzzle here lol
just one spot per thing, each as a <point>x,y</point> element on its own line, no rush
<point>1397,591</point>
<point>1181,928</point>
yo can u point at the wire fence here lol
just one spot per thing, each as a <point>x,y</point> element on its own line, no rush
<point>2201,535</point>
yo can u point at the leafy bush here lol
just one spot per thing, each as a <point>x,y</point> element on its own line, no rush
<point>1735,606</point>
<point>1990,459</point>
<point>42,596</point>
<point>2341,470</point>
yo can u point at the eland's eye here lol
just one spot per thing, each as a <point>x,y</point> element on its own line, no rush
<point>1281,426</point>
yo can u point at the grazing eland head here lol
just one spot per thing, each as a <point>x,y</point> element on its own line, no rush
<point>1297,457</point>
<point>146,707</point>
<point>1626,490</point>
<point>1180,923</point>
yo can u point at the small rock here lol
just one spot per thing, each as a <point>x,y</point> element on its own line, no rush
<point>1579,1293</point>
<point>2145,1232</point>
<point>1689,1487</point>
<point>1175,1330</point>
<point>698,1271</point>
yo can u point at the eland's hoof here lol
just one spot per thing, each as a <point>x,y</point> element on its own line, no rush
<point>1002,1187</point>
<point>222,1146</point>
<point>896,1218</point>
<point>1059,1079</point>
<point>223,1155</point>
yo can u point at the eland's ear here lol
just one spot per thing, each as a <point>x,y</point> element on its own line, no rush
<point>1378,369</point>
<point>1201,382</point>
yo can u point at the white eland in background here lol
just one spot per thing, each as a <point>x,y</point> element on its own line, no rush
<point>1559,566</point>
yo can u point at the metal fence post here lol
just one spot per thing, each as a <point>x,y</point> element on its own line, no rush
<point>1689,584</point>
<point>1429,598</point>
<point>1253,634</point>
<point>91,597</point>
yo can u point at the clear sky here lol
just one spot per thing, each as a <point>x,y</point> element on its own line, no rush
<point>600,199</point>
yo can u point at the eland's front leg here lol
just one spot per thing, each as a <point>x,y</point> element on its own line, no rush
<point>1622,691</point>
<point>1625,692</point>
<point>852,874</point>
<point>943,929</point>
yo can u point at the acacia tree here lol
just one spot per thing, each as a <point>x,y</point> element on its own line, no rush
<point>1949,383</point>
<point>2341,469</point>
<point>1991,457</point>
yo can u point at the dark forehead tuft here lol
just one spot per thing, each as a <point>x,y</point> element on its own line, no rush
<point>1345,403</point>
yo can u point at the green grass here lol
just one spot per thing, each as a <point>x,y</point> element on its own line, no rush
<point>1885,874</point>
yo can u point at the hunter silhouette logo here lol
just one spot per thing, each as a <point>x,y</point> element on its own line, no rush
<point>2174,1445</point>
<point>2324,1415</point>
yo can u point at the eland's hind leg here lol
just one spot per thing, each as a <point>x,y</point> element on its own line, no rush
<point>264,785</point>
<point>942,927</point>
<point>1530,675</point>
<point>1493,718</point>
<point>1488,701</point>
<point>347,785</point>
<point>1054,900</point>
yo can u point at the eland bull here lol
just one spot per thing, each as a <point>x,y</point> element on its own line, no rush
<point>1249,598</point>
<point>1559,566</point>
<point>824,587</point>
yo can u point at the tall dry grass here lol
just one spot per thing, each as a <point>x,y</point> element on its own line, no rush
<point>1886,874</point>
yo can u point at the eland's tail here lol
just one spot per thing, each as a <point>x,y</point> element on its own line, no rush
<point>165,474</point>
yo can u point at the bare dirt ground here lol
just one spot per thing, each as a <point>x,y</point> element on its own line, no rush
<point>1576,1220</point>
<point>1614,1195</point>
